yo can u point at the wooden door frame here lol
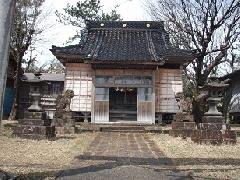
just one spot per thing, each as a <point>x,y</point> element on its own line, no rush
<point>152,86</point>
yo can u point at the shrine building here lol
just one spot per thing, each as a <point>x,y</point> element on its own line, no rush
<point>123,71</point>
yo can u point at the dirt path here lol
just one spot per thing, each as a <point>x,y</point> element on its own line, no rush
<point>122,156</point>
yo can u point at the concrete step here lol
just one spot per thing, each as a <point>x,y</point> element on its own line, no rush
<point>122,128</point>
<point>125,131</point>
<point>119,127</point>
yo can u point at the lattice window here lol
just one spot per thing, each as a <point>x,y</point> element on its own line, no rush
<point>167,83</point>
<point>81,83</point>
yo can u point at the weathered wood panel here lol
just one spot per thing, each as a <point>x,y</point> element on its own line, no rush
<point>167,83</point>
<point>145,105</point>
<point>101,111</point>
<point>144,114</point>
<point>79,79</point>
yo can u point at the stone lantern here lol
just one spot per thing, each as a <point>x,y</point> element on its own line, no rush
<point>35,93</point>
<point>35,125</point>
<point>215,91</point>
<point>213,129</point>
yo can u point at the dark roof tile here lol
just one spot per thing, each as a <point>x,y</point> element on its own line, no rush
<point>131,41</point>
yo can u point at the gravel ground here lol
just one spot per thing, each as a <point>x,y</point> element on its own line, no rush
<point>41,158</point>
<point>202,161</point>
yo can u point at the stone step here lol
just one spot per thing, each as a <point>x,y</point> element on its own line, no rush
<point>118,127</point>
<point>124,131</point>
<point>34,136</point>
<point>28,129</point>
<point>122,128</point>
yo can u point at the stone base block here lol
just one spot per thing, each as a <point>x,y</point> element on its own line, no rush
<point>65,130</point>
<point>35,115</point>
<point>45,131</point>
<point>213,119</point>
<point>183,125</point>
<point>35,122</point>
<point>181,117</point>
<point>213,126</point>
<point>180,132</point>
<point>35,136</point>
<point>214,137</point>
<point>58,122</point>
<point>67,115</point>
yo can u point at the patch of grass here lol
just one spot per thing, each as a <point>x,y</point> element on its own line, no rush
<point>205,161</point>
<point>6,131</point>
<point>32,159</point>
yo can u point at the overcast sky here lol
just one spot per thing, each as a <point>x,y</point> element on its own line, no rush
<point>58,34</point>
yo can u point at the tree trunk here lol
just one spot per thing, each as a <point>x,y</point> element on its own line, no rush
<point>6,12</point>
<point>15,106</point>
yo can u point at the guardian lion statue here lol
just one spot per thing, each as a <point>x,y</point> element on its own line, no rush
<point>63,103</point>
<point>184,103</point>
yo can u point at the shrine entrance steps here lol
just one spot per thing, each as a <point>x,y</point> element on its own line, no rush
<point>120,127</point>
<point>123,128</point>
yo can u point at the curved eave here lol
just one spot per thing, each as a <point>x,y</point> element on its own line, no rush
<point>65,58</point>
<point>179,59</point>
<point>169,59</point>
<point>124,62</point>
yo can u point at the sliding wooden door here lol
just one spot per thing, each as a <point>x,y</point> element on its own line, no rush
<point>101,105</point>
<point>145,106</point>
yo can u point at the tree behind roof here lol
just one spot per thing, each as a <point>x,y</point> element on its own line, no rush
<point>86,10</point>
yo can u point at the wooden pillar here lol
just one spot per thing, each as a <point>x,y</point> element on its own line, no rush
<point>86,115</point>
<point>159,118</point>
<point>6,12</point>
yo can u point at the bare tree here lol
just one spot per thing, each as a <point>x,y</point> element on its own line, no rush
<point>208,28</point>
<point>24,33</point>
<point>6,12</point>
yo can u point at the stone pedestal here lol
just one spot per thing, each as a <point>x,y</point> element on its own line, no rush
<point>64,125</point>
<point>183,117</point>
<point>214,131</point>
<point>213,119</point>
<point>34,126</point>
<point>182,126</point>
<point>214,137</point>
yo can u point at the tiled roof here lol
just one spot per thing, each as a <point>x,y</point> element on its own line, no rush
<point>44,77</point>
<point>118,41</point>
